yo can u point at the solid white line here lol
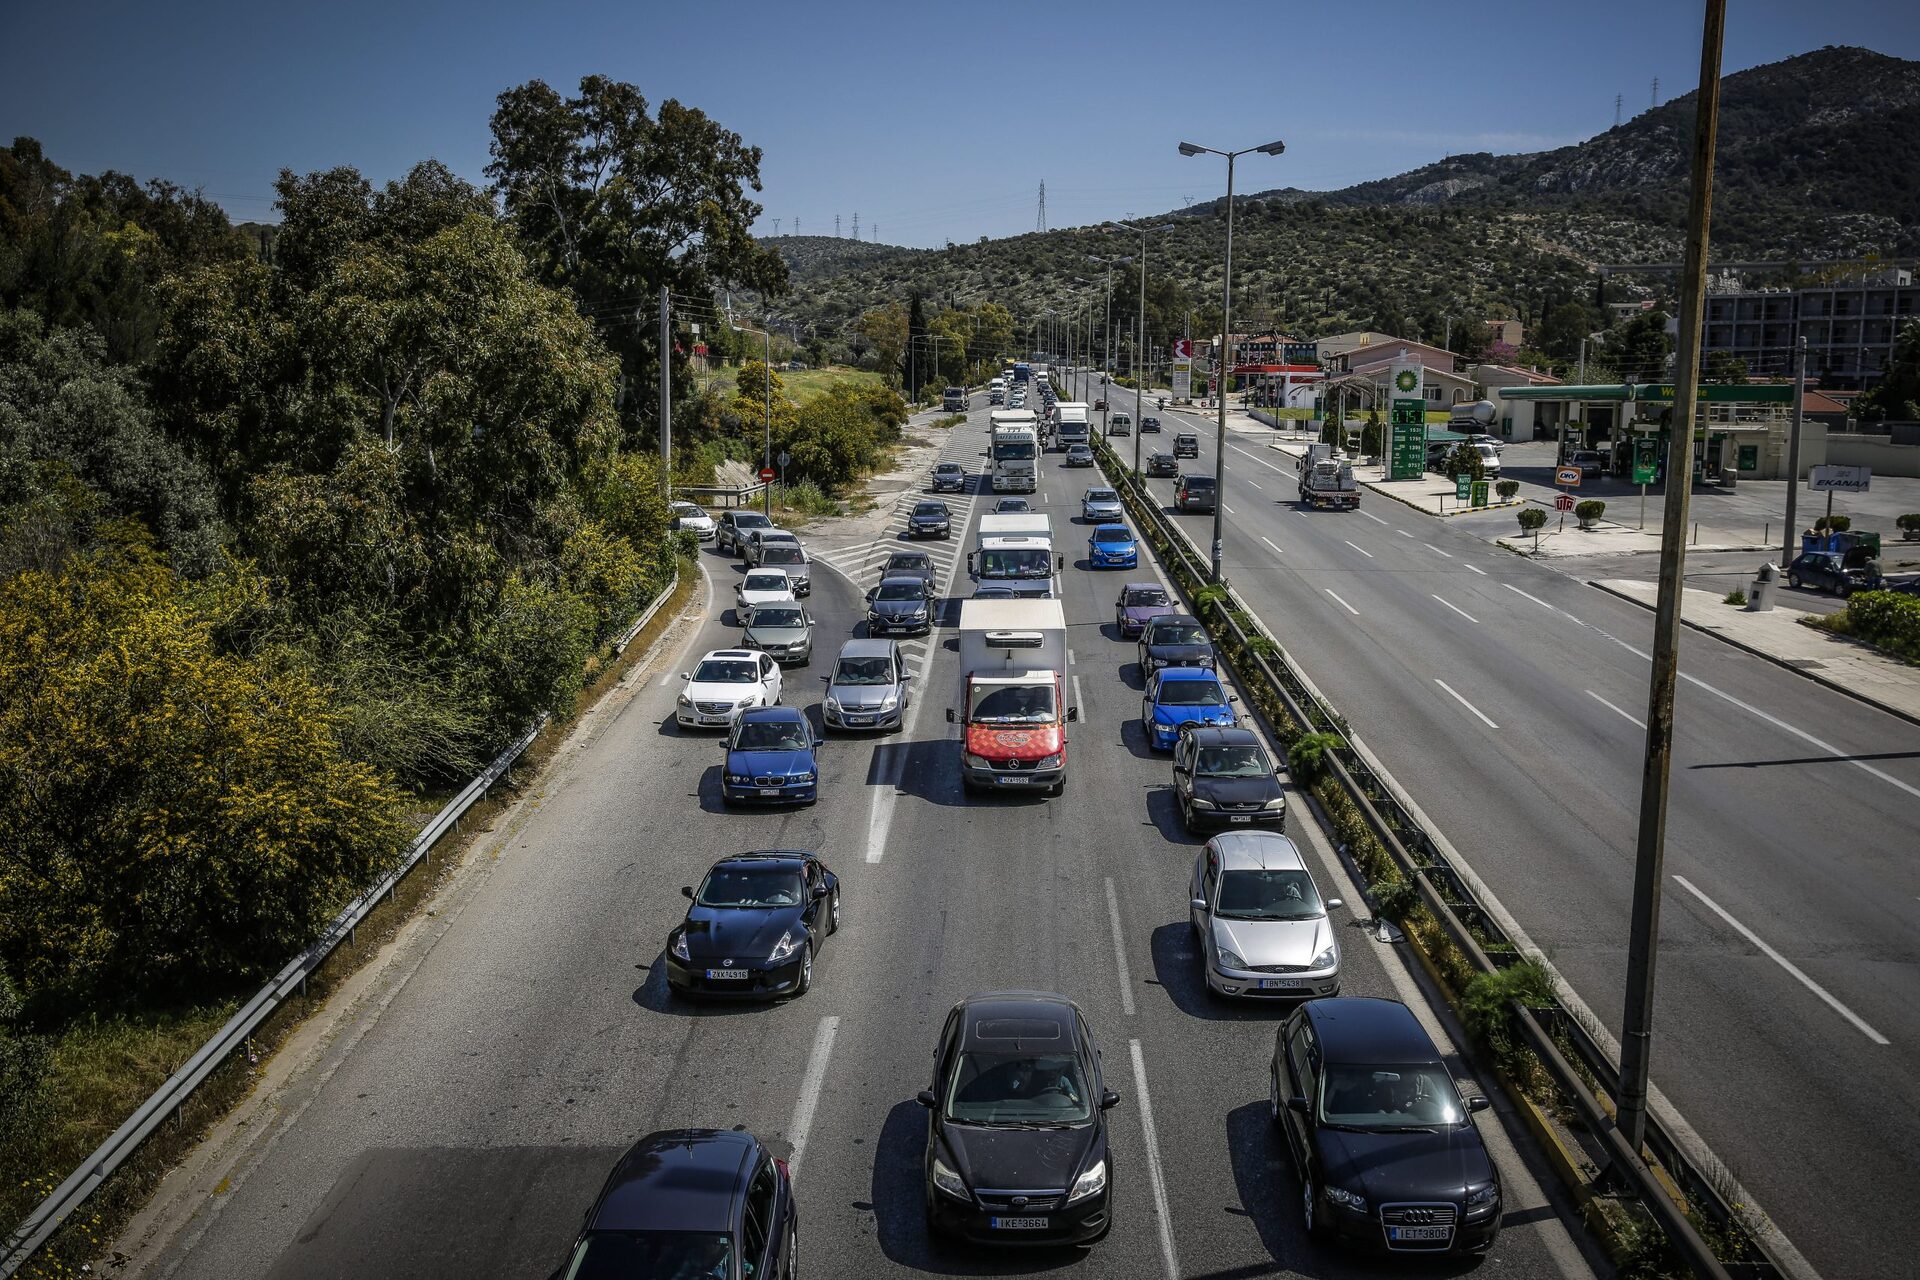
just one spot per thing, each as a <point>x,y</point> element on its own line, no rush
<point>1633,720</point>
<point>1154,1172</point>
<point>1343,604</point>
<point>1224,507</point>
<point>1786,964</point>
<point>1463,702</point>
<point>1357,547</point>
<point>1462,612</point>
<point>1437,551</point>
<point>1536,599</point>
<point>1119,951</point>
<point>809,1098</point>
<point>1369,515</point>
<point>1481,572</point>
<point>1269,542</point>
<point>1801,734</point>
<point>1079,699</point>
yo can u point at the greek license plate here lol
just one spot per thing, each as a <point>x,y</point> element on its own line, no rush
<point>769,791</point>
<point>1418,1233</point>
<point>713,719</point>
<point>859,719</point>
<point>738,974</point>
<point>1018,1224</point>
<point>1240,817</point>
<point>1013,781</point>
<point>1286,984</point>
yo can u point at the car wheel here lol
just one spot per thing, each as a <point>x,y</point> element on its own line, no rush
<point>806,972</point>
<point>1793,580</point>
<point>1276,1110</point>
<point>1844,590</point>
<point>833,913</point>
<point>1186,814</point>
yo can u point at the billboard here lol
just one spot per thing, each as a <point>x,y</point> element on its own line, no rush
<point>1183,378</point>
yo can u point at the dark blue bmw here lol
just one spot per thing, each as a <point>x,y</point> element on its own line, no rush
<point>771,758</point>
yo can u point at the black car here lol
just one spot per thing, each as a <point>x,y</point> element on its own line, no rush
<point>1383,1143</point>
<point>929,520</point>
<point>1012,506</point>
<point>902,604</point>
<point>690,1202</point>
<point>1223,778</point>
<point>1186,445</point>
<point>1829,572</point>
<point>754,926</point>
<point>1017,1124</point>
<point>909,564</point>
<point>949,477</point>
<point>1149,424</point>
<point>1194,493</point>
<point>1174,640</point>
<point>1162,464</point>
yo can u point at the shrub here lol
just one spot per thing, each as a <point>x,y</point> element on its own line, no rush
<point>1507,489</point>
<point>1909,521</point>
<point>1487,1007</point>
<point>1590,509</point>
<point>1840,524</point>
<point>1308,757</point>
<point>1464,459</point>
<point>1889,619</point>
<point>1735,596</point>
<point>1531,518</point>
<point>1396,899</point>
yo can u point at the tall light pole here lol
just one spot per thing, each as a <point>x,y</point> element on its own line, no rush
<point>1226,338</point>
<point>1139,345</point>
<point>1106,337</point>
<point>766,486</point>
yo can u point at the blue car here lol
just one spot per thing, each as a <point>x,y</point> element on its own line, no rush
<point>1112,547</point>
<point>771,759</point>
<point>1180,696</point>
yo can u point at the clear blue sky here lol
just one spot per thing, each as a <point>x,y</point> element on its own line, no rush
<point>935,121</point>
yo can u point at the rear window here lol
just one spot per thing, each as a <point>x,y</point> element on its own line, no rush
<point>1198,482</point>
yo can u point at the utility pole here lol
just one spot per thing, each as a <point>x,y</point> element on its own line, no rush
<point>776,226</point>
<point>1793,449</point>
<point>1580,379</point>
<point>836,226</point>
<point>1616,110</point>
<point>666,398</point>
<point>1649,870</point>
<point>856,224</point>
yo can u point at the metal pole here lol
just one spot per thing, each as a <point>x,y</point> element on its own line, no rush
<point>1793,453</point>
<point>666,399</point>
<point>1226,363</point>
<point>1636,1040</point>
<point>1106,370</point>
<point>1139,378</point>
<point>766,486</point>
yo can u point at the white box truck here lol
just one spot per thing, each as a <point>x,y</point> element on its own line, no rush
<point>1013,451</point>
<point>1071,424</point>
<point>1016,550</point>
<point>1013,713</point>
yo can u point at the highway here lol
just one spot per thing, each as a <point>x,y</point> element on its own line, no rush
<point>1507,699</point>
<point>455,1113</point>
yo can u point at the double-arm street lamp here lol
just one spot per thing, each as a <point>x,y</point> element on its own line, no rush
<point>766,486</point>
<point>1226,337</point>
<point>1106,333</point>
<point>1140,341</point>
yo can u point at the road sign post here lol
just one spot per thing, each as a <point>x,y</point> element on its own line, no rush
<point>1462,486</point>
<point>1479,497</point>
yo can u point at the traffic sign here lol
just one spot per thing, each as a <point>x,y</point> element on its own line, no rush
<point>1832,479</point>
<point>784,459</point>
<point>1568,476</point>
<point>766,473</point>
<point>1183,348</point>
<point>1564,502</point>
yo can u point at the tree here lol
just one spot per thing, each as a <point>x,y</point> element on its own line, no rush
<point>1641,346</point>
<point>1724,366</point>
<point>918,348</point>
<point>1565,326</point>
<point>1897,394</point>
<point>886,328</point>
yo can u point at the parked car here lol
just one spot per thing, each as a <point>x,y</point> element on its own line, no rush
<point>1258,920</point>
<point>690,1202</point>
<point>1100,504</point>
<point>753,926</point>
<point>1186,445</point>
<point>1012,506</point>
<point>868,687</point>
<point>725,683</point>
<point>1194,493</point>
<point>761,586</point>
<point>1149,425</point>
<point>1825,571</point>
<point>1078,455</point>
<point>1174,640</point>
<point>1381,1137</point>
<point>930,520</point>
<point>1224,778</point>
<point>1138,602</point>
<point>690,517</point>
<point>903,604</point>
<point>1588,461</point>
<point>1016,1148</point>
<point>1112,546</point>
<point>1162,464</point>
<point>949,477</point>
<point>909,564</point>
<point>1180,696</point>
<point>782,631</point>
<point>771,759</point>
<point>732,525</point>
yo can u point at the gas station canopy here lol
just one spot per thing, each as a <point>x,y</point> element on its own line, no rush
<point>1656,392</point>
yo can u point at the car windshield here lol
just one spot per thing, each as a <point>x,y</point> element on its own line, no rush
<point>1112,535</point>
<point>1013,704</point>
<point>766,582</point>
<point>651,1255</point>
<point>1016,562</point>
<point>1010,506</point>
<point>907,564</point>
<point>782,553</point>
<point>726,671</point>
<point>1399,1096</point>
<point>1191,693</point>
<point>1102,495</point>
<point>1179,633</point>
<point>1232,762</point>
<point>1146,596</point>
<point>1013,450</point>
<point>1018,1089</point>
<point>771,735</point>
<point>1268,895</point>
<point>930,509</point>
<point>901,591</point>
<point>1079,451</point>
<point>878,670</point>
<point>778,616</point>
<point>750,887</point>
<point>687,510</point>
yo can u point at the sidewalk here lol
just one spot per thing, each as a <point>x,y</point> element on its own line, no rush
<point>1779,636</point>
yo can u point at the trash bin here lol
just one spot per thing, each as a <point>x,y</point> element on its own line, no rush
<point>1760,596</point>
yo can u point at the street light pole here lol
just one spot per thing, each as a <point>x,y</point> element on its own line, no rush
<point>1226,344</point>
<point>1140,342</point>
<point>766,486</point>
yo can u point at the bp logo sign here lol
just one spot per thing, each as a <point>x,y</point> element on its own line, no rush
<point>1406,381</point>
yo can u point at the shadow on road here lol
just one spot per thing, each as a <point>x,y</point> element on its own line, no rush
<point>1177,970</point>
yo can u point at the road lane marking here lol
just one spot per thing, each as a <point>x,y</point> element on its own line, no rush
<point>1357,547</point>
<point>1154,1172</point>
<point>1119,951</point>
<point>1481,572</point>
<point>1224,507</point>
<point>1078,697</point>
<point>1463,702</point>
<point>1437,551</point>
<point>1070,658</point>
<point>1251,485</point>
<point>1859,1022</point>
<point>1635,721</point>
<point>1462,612</point>
<point>1262,461</point>
<point>1343,604</point>
<point>1536,599</point>
<point>1369,515</point>
<point>1269,542</point>
<point>1403,533</point>
<point>803,1106</point>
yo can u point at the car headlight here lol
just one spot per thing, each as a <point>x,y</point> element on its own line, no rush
<point>783,948</point>
<point>1048,762</point>
<point>1278,802</point>
<point>1328,957</point>
<point>945,1179</point>
<point>1230,959</point>
<point>685,701</point>
<point>889,702</point>
<point>750,643</point>
<point>739,777</point>
<point>1199,803</point>
<point>1340,1195</point>
<point>919,615</point>
<point>1483,1195</point>
<point>1092,1182</point>
<point>745,702</point>
<point>972,761</point>
<point>680,946</point>
<point>803,777</point>
<point>833,704</point>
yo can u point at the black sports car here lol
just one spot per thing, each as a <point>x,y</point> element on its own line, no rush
<point>754,926</point>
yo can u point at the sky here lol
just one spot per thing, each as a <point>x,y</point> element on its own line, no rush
<point>929,122</point>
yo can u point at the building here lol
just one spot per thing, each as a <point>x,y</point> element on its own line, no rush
<point>1520,419</point>
<point>1850,326</point>
<point>1331,349</point>
<point>1507,333</point>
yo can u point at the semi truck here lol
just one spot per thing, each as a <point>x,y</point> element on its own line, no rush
<point>1013,713</point>
<point>1013,451</point>
<point>1016,550</point>
<point>1071,424</point>
<point>954,400</point>
<point>1326,478</point>
<point>1022,371</point>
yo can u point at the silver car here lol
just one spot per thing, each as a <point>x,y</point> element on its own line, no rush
<point>1100,506</point>
<point>768,553</point>
<point>784,632</point>
<point>1258,918</point>
<point>868,686</point>
<point>689,516</point>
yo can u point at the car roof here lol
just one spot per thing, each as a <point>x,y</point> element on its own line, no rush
<point>677,1179</point>
<point>771,715</point>
<point>733,653</point>
<point>1007,1020</point>
<point>1365,1029</point>
<point>1142,586</point>
<point>1257,851</point>
<point>1221,736</point>
<point>913,557</point>
<point>1169,674</point>
<point>1102,528</point>
<point>866,648</point>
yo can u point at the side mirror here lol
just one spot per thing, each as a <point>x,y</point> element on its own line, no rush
<point>951,717</point>
<point>1179,768</point>
<point>1233,697</point>
<point>828,679</point>
<point>1073,715</point>
<point>819,891</point>
<point>871,593</point>
<point>686,891</point>
<point>1109,1099</point>
<point>1059,563</point>
<point>1478,1102</point>
<point>1198,904</point>
<point>925,1098</point>
<point>969,562</point>
<point>1297,1105</point>
<point>1334,904</point>
<point>686,675</point>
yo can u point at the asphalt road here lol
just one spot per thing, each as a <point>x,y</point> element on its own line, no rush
<point>1507,699</point>
<point>458,1114</point>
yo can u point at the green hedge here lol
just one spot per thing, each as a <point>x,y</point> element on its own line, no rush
<point>1889,619</point>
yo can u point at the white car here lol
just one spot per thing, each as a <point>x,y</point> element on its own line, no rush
<point>687,515</point>
<point>727,682</point>
<point>763,586</point>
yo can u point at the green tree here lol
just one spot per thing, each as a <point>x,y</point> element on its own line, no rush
<point>1564,328</point>
<point>1724,366</point>
<point>1897,394</point>
<point>1641,346</point>
<point>918,348</point>
<point>886,328</point>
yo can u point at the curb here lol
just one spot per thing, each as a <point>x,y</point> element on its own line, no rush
<point>1782,663</point>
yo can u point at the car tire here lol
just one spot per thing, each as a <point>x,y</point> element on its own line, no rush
<point>1276,1110</point>
<point>1843,590</point>
<point>1793,580</point>
<point>1186,815</point>
<point>806,974</point>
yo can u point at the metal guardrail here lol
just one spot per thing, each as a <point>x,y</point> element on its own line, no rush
<point>732,495</point>
<point>1467,924</point>
<point>37,1227</point>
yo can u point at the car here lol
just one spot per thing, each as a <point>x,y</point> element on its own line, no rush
<point>1381,1137</point>
<point>1177,697</point>
<point>1587,461</point>
<point>782,631</point>
<point>1016,1149</point>
<point>732,526</point>
<point>1162,464</point>
<point>1100,405</point>
<point>1149,425</point>
<point>762,586</point>
<point>1193,493</point>
<point>868,687</point>
<point>1825,571</point>
<point>903,604</point>
<point>690,517</point>
<point>949,477</point>
<point>1186,445</point>
<point>930,520</point>
<point>725,683</point>
<point>1099,503</point>
<point>995,591</point>
<point>1012,506</point>
<point>754,542</point>
<point>1224,778</point>
<point>770,758</point>
<point>1258,921</point>
<point>690,1202</point>
<point>1174,640</point>
<point>1139,601</point>
<point>1120,424</point>
<point>768,553</point>
<point>995,397</point>
<point>1078,455</point>
<point>754,926</point>
<point>1112,546</point>
<point>909,564</point>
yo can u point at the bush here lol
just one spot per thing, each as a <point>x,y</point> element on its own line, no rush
<point>1307,759</point>
<point>1909,521</point>
<point>1396,899</point>
<point>1591,509</point>
<point>1486,1006</point>
<point>1464,459</point>
<point>1507,489</point>
<point>1840,524</point>
<point>1735,596</point>
<point>1531,518</point>
<point>1890,619</point>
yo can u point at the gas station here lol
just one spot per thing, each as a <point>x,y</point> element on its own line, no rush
<point>1741,432</point>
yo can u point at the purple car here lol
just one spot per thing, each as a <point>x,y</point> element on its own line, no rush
<point>1139,601</point>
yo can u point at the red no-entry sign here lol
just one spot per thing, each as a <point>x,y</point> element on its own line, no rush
<point>766,473</point>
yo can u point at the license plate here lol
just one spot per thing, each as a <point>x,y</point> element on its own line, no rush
<point>1240,817</point>
<point>859,719</point>
<point>1018,1224</point>
<point>1418,1233</point>
<point>1278,984</point>
<point>713,719</point>
<point>737,974</point>
<point>769,791</point>
<point>1013,782</point>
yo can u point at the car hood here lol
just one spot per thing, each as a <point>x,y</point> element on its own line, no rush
<point>1013,742</point>
<point>1386,1167</point>
<point>1264,942</point>
<point>897,608</point>
<point>751,598</point>
<point>1019,1159</point>
<point>1102,508</point>
<point>695,522</point>
<point>851,696</point>
<point>782,636</point>
<point>1174,716</point>
<point>737,933</point>
<point>928,519</point>
<point>1236,790</point>
<point>769,762</point>
<point>728,693</point>
<point>1179,655</point>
